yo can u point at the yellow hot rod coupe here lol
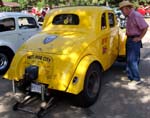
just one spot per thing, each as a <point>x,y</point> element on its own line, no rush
<point>75,46</point>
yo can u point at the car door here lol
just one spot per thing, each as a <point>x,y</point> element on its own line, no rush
<point>8,32</point>
<point>114,37</point>
<point>104,40</point>
<point>27,27</point>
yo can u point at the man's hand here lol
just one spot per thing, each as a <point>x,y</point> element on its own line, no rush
<point>136,39</point>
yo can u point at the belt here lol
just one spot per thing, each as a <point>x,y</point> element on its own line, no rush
<point>133,36</point>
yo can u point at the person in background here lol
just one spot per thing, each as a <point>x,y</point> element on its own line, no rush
<point>136,28</point>
<point>44,11</point>
<point>141,10</point>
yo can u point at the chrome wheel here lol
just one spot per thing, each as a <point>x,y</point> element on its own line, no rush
<point>3,61</point>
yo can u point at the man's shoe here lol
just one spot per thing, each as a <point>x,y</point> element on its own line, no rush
<point>133,83</point>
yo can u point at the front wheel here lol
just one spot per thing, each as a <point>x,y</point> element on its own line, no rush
<point>92,85</point>
<point>5,60</point>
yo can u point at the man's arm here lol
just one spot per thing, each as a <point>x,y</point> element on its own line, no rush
<point>141,36</point>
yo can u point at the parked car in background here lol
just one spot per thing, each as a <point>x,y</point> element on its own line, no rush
<point>141,10</point>
<point>15,29</point>
<point>120,18</point>
<point>117,11</point>
<point>147,11</point>
<point>75,46</point>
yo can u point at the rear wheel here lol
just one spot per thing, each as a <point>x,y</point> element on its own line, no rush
<point>92,86</point>
<point>5,60</point>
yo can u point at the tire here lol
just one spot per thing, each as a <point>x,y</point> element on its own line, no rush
<point>15,106</point>
<point>92,85</point>
<point>5,60</point>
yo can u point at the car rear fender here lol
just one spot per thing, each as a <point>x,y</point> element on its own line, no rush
<point>77,83</point>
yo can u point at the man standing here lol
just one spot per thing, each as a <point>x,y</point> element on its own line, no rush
<point>135,30</point>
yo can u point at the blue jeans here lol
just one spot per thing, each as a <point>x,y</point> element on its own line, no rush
<point>133,58</point>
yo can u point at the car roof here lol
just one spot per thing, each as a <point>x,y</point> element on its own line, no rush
<point>87,6</point>
<point>83,8</point>
<point>13,14</point>
<point>81,11</point>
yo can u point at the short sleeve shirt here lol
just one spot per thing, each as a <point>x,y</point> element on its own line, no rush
<point>135,24</point>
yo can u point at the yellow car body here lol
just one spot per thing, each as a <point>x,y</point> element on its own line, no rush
<point>63,51</point>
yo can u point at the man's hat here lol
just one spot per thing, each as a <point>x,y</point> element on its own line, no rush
<point>124,4</point>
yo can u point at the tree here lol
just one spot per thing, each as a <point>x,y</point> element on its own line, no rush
<point>42,3</point>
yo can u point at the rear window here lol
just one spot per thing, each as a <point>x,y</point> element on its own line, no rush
<point>7,24</point>
<point>66,19</point>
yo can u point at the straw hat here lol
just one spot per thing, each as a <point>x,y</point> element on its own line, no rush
<point>124,4</point>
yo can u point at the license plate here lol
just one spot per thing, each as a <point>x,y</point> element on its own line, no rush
<point>36,88</point>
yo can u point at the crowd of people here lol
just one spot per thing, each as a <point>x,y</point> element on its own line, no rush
<point>40,14</point>
<point>144,10</point>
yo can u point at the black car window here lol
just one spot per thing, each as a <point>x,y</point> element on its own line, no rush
<point>27,23</point>
<point>111,20</point>
<point>66,19</point>
<point>7,24</point>
<point>103,21</point>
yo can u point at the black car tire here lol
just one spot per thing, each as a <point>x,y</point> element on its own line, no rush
<point>5,60</point>
<point>92,85</point>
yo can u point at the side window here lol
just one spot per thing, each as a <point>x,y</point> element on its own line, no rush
<point>111,20</point>
<point>103,21</point>
<point>66,19</point>
<point>7,24</point>
<point>27,23</point>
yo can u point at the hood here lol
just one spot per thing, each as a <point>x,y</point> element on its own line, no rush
<point>57,43</point>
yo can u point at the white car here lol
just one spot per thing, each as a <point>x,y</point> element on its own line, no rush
<point>15,29</point>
